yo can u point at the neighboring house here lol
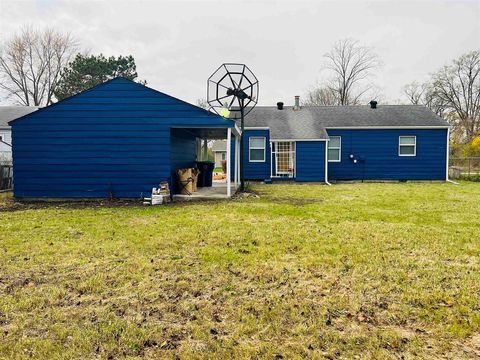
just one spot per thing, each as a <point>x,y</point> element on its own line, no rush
<point>328,143</point>
<point>219,149</point>
<point>7,114</point>
<point>118,139</point>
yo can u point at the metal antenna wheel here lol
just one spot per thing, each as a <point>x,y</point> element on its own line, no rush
<point>232,90</point>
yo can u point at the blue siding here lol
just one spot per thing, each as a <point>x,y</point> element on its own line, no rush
<point>183,149</point>
<point>257,170</point>
<point>111,140</point>
<point>310,161</point>
<point>377,151</point>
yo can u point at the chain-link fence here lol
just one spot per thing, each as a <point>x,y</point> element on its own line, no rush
<point>464,168</point>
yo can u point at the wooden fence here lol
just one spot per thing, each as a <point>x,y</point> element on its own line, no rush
<point>466,167</point>
<point>6,172</point>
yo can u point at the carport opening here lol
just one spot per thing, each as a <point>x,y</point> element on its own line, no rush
<point>190,148</point>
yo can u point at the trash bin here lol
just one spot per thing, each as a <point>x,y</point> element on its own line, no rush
<point>206,173</point>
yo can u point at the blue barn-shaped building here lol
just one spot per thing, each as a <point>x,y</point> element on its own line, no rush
<point>120,139</point>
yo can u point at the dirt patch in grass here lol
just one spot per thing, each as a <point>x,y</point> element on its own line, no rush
<point>289,200</point>
<point>10,204</point>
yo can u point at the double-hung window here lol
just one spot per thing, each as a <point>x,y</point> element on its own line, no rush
<point>407,146</point>
<point>256,149</point>
<point>335,149</point>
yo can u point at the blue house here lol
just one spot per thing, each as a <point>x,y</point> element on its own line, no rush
<point>118,139</point>
<point>334,143</point>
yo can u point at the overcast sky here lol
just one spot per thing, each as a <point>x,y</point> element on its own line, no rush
<point>177,44</point>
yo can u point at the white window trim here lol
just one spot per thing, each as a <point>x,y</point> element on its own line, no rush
<point>257,148</point>
<point>414,145</point>
<point>339,148</point>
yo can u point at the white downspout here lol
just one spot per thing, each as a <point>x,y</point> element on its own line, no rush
<point>326,163</point>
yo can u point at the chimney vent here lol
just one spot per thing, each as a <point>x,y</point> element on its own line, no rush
<point>297,103</point>
<point>373,104</point>
<point>280,105</point>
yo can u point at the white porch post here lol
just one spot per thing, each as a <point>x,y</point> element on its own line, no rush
<point>235,163</point>
<point>238,161</point>
<point>229,138</point>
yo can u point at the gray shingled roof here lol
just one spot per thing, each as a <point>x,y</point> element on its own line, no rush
<point>9,113</point>
<point>310,122</point>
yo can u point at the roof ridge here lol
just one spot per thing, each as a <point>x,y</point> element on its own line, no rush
<point>342,106</point>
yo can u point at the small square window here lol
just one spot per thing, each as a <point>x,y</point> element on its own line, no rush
<point>333,154</point>
<point>335,149</point>
<point>407,146</point>
<point>256,155</point>
<point>256,149</point>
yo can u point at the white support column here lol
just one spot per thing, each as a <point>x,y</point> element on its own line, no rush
<point>238,161</point>
<point>229,148</point>
<point>235,163</point>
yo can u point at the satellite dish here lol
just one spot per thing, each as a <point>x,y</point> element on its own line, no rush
<point>235,86</point>
<point>232,92</point>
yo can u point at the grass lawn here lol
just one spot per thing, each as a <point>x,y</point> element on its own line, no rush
<point>305,271</point>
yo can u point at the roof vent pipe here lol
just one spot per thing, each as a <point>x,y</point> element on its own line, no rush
<point>373,104</point>
<point>297,103</point>
<point>280,105</point>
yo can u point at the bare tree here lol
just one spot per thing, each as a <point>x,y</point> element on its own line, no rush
<point>415,92</point>
<point>433,101</point>
<point>351,64</point>
<point>31,62</point>
<point>424,94</point>
<point>321,96</point>
<point>457,86</point>
<point>202,103</point>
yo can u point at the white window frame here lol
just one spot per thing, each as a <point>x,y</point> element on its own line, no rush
<point>414,145</point>
<point>257,148</point>
<point>339,148</point>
